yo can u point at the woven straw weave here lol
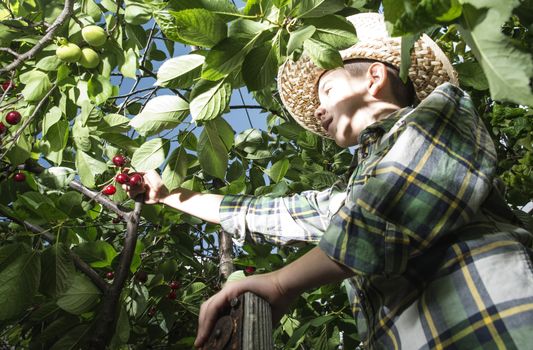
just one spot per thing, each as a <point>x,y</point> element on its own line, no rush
<point>298,81</point>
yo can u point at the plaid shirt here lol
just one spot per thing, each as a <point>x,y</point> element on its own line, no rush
<point>438,260</point>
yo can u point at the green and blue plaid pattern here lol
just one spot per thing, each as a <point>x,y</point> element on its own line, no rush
<point>435,267</point>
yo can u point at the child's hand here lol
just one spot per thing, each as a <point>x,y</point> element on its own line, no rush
<point>150,184</point>
<point>265,286</point>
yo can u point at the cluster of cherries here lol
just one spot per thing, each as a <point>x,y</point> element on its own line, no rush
<point>122,178</point>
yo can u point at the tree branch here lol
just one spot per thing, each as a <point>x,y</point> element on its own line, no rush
<point>62,18</point>
<point>78,262</point>
<point>97,196</point>
<point>105,322</point>
<point>226,266</point>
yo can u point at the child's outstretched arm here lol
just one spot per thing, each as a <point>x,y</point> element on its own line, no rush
<point>279,288</point>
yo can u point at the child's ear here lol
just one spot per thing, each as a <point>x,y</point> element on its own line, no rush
<point>377,78</point>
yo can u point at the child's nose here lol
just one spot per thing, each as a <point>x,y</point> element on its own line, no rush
<point>320,112</point>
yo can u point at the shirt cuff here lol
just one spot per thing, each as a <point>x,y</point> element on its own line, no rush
<point>232,214</point>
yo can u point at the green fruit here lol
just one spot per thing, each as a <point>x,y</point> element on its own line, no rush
<point>89,58</point>
<point>68,52</point>
<point>94,35</point>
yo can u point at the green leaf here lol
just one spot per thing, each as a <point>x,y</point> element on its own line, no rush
<point>199,27</point>
<point>123,328</point>
<point>19,282</point>
<point>56,177</point>
<point>57,136</point>
<point>50,118</point>
<point>160,113</point>
<point>318,8</point>
<point>150,155</point>
<point>509,75</point>
<point>180,72</point>
<point>408,42</point>
<point>20,151</point>
<point>298,37</point>
<point>278,170</point>
<point>131,62</point>
<point>56,270</point>
<point>97,254</point>
<point>73,339</point>
<point>261,66</point>
<point>322,54</point>
<point>88,168</point>
<point>137,12</point>
<point>113,123</point>
<point>176,169</point>
<point>99,89</point>
<point>209,99</point>
<point>212,152</point>
<point>471,74</point>
<point>333,30</point>
<point>36,87</point>
<point>80,297</point>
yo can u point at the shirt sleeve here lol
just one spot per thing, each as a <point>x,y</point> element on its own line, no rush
<point>427,180</point>
<point>280,220</point>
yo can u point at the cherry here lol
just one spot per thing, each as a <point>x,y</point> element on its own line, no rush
<point>119,160</point>
<point>249,270</point>
<point>13,117</point>
<point>174,285</point>
<point>172,295</point>
<point>3,128</point>
<point>109,190</point>
<point>122,178</point>
<point>8,84</point>
<point>141,276</point>
<point>152,311</point>
<point>19,177</point>
<point>116,220</point>
<point>110,275</point>
<point>135,180</point>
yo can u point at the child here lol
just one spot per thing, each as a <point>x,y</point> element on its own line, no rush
<point>434,257</point>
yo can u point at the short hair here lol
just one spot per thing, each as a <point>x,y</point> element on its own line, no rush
<point>404,93</point>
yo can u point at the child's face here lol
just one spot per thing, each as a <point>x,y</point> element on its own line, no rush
<point>341,96</point>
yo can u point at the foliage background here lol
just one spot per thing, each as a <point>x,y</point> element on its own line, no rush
<point>75,120</point>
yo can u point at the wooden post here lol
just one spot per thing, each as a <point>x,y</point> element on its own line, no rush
<point>247,327</point>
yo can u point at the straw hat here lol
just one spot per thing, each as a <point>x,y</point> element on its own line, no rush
<point>298,81</point>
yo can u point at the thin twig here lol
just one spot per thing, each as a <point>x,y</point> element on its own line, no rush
<point>10,51</point>
<point>78,262</point>
<point>50,33</point>
<point>28,121</point>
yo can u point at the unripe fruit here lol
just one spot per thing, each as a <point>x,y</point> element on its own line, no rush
<point>109,190</point>
<point>8,85</point>
<point>172,295</point>
<point>119,160</point>
<point>94,35</point>
<point>249,270</point>
<point>110,275</point>
<point>3,128</point>
<point>89,58</point>
<point>13,117</point>
<point>174,285</point>
<point>19,177</point>
<point>69,52</point>
<point>122,178</point>
<point>135,180</point>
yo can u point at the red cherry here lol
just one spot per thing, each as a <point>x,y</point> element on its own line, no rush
<point>109,190</point>
<point>3,128</point>
<point>122,178</point>
<point>110,275</point>
<point>19,177</point>
<point>174,285</point>
<point>172,295</point>
<point>135,180</point>
<point>13,117</point>
<point>8,85</point>
<point>116,220</point>
<point>119,160</point>
<point>249,269</point>
<point>141,276</point>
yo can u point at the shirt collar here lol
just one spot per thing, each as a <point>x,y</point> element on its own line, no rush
<point>377,129</point>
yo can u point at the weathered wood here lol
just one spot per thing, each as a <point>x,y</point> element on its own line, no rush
<point>247,327</point>
<point>257,324</point>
